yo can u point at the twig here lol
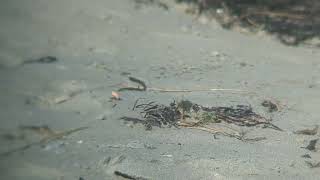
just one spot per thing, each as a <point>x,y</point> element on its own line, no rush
<point>169,90</point>
<point>144,88</point>
<point>195,90</point>
<point>127,176</point>
<point>212,130</point>
<point>135,104</point>
<point>208,129</point>
<point>62,134</point>
<point>47,139</point>
<point>27,146</point>
<point>138,81</point>
<point>42,60</point>
<point>270,125</point>
<point>236,135</point>
<point>278,14</point>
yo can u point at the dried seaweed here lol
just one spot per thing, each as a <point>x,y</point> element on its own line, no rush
<point>141,85</point>
<point>241,115</point>
<point>156,115</point>
<point>312,145</point>
<point>292,21</point>
<point>190,115</point>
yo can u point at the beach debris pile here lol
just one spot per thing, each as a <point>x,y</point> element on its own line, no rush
<point>191,115</point>
<point>156,115</point>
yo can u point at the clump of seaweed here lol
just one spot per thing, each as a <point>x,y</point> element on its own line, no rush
<point>292,21</point>
<point>241,115</point>
<point>188,114</point>
<point>209,117</point>
<point>156,115</point>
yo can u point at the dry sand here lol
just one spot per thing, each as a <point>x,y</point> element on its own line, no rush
<point>97,42</point>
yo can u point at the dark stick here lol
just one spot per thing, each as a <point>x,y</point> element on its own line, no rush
<point>138,81</point>
<point>127,176</point>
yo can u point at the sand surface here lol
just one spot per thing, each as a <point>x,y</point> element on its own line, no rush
<point>98,44</point>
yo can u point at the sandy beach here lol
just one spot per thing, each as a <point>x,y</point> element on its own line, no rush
<point>60,61</point>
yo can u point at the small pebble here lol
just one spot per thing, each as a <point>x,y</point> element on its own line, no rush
<point>219,11</point>
<point>167,155</point>
<point>56,146</point>
<point>215,54</point>
<point>101,117</point>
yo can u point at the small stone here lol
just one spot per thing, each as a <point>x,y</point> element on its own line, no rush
<point>61,99</point>
<point>215,54</point>
<point>107,18</point>
<point>292,164</point>
<point>243,64</point>
<point>219,11</point>
<point>312,86</point>
<point>101,117</point>
<point>167,155</point>
<point>289,40</point>
<point>57,147</point>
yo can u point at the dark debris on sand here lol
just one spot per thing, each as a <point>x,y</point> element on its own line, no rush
<point>292,21</point>
<point>158,115</point>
